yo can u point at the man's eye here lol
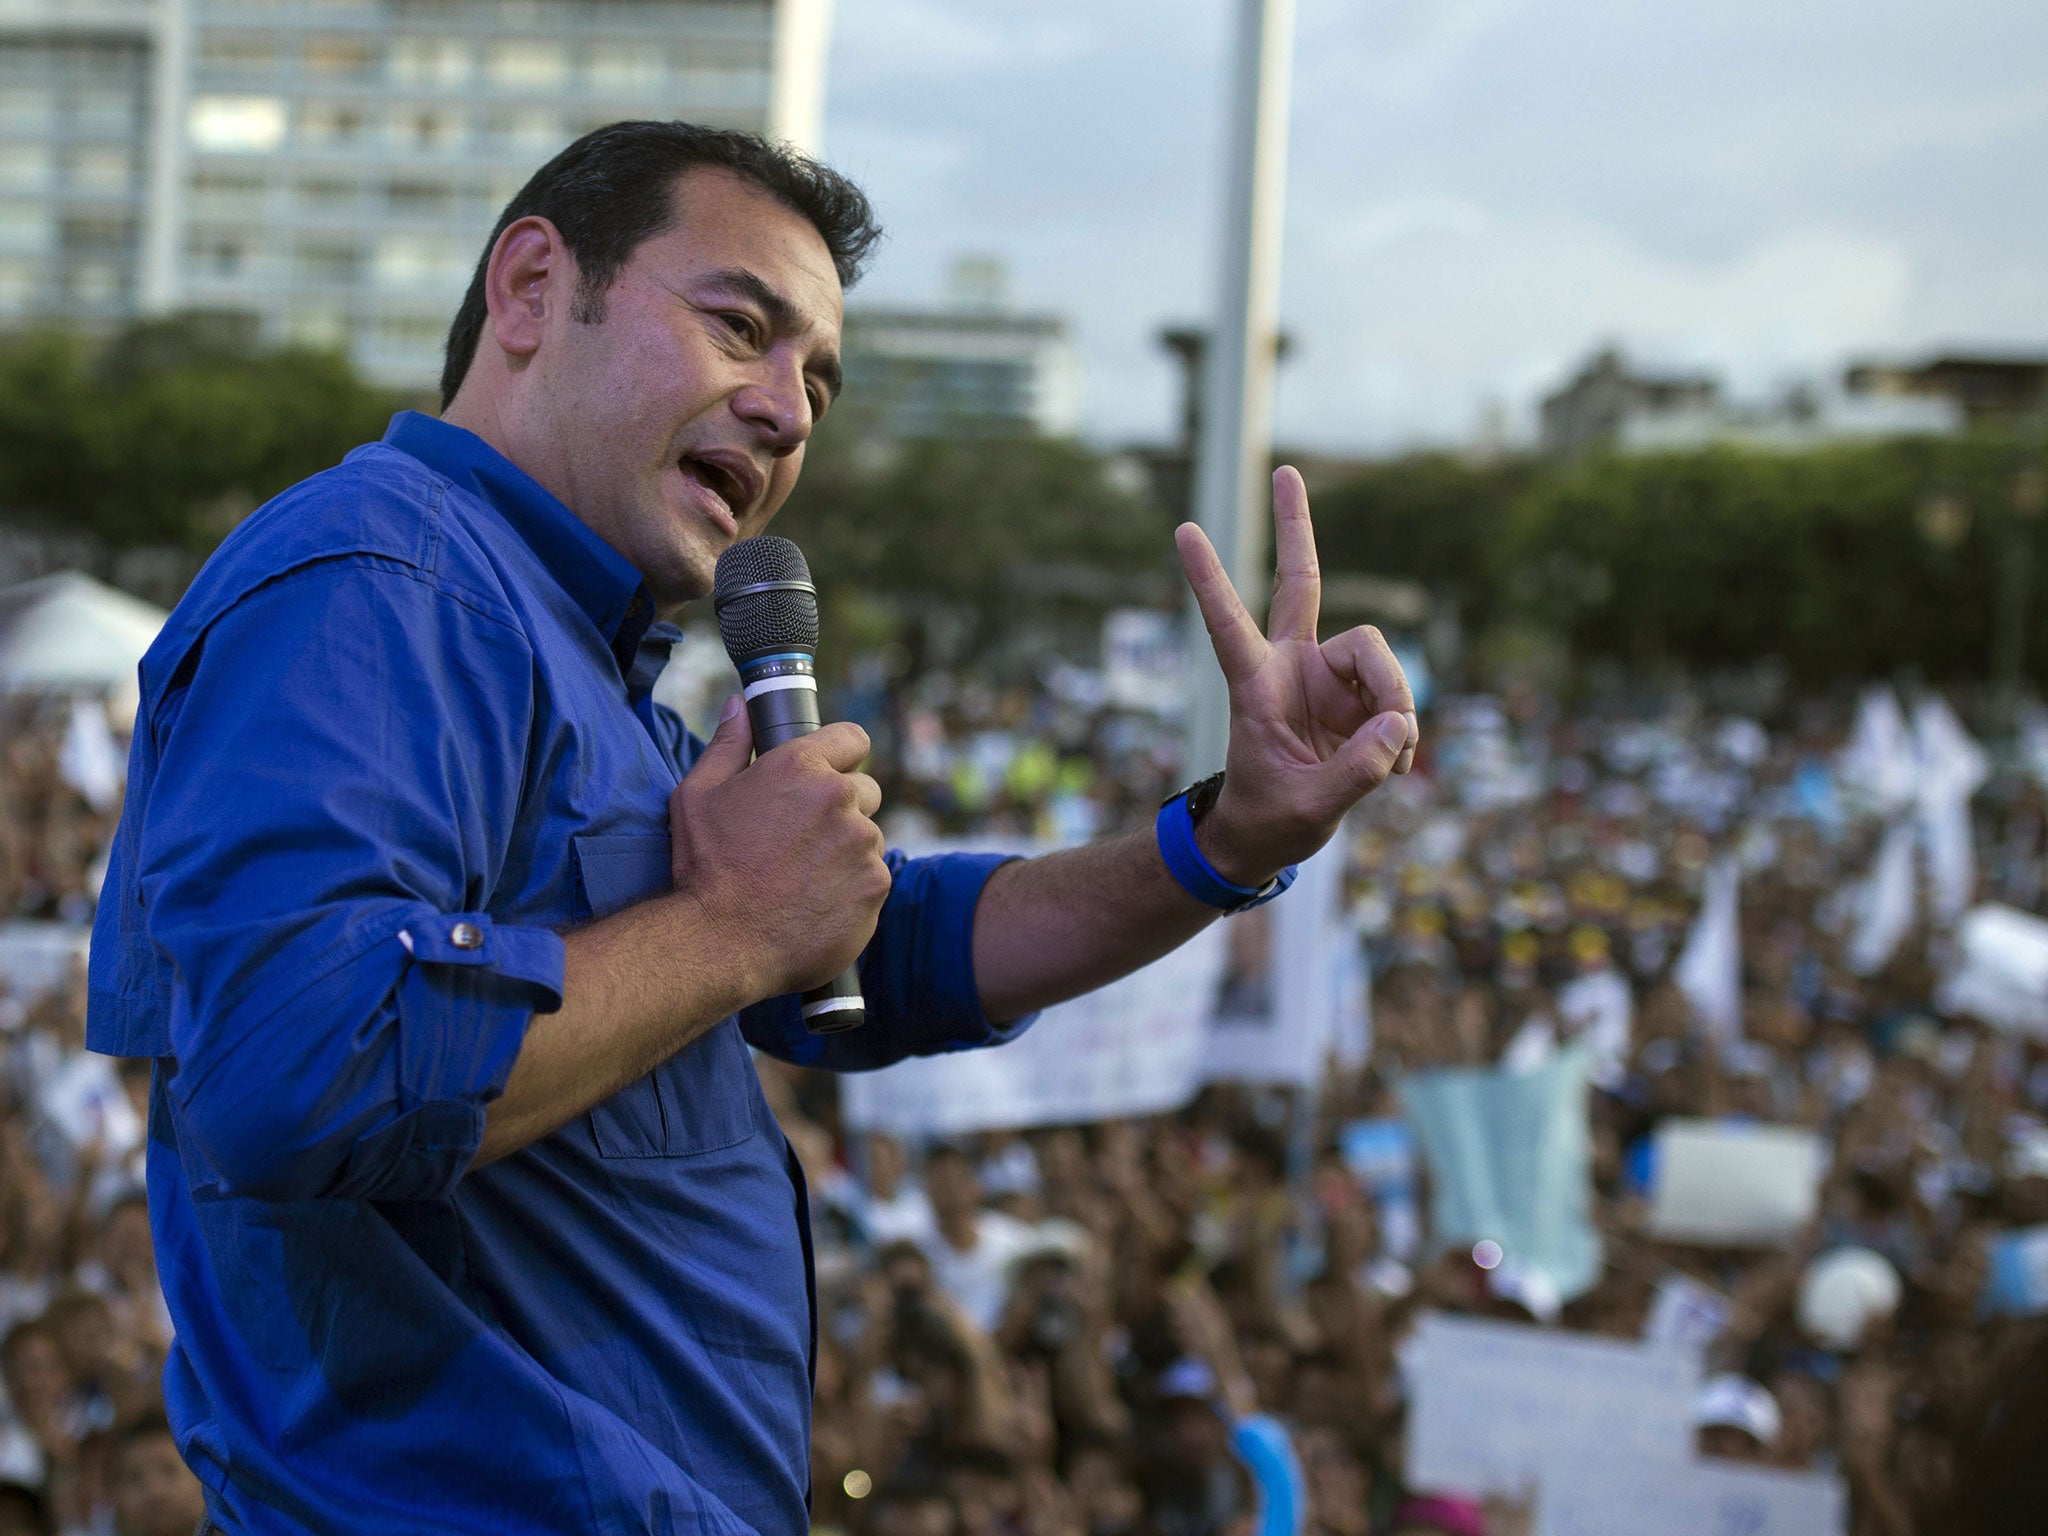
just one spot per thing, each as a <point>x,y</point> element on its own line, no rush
<point>739,324</point>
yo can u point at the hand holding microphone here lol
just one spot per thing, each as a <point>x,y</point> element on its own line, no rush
<point>788,847</point>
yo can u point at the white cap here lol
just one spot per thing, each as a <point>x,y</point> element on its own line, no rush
<point>1843,1292</point>
<point>1739,1403</point>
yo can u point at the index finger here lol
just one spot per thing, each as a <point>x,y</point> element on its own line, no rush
<point>1239,645</point>
<point>843,745</point>
<point>1363,656</point>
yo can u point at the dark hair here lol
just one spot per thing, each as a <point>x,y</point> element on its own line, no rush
<point>613,188</point>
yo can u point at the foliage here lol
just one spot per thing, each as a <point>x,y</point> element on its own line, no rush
<point>1829,560</point>
<point>1435,518</point>
<point>1844,562</point>
<point>958,518</point>
<point>172,430</point>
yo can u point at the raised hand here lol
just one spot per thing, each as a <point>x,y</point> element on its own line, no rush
<point>1314,726</point>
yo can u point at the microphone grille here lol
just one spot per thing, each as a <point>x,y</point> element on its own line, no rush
<point>761,623</point>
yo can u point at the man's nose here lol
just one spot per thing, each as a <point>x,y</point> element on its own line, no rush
<point>777,404</point>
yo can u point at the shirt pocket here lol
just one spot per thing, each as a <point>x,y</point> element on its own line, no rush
<point>701,1098</point>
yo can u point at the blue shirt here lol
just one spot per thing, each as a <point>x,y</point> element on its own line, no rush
<point>395,738</point>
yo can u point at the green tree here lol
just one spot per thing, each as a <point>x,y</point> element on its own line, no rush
<point>173,429</point>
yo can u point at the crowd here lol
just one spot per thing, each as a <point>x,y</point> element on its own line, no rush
<point>1076,1329</point>
<point>1193,1324</point>
<point>84,1447</point>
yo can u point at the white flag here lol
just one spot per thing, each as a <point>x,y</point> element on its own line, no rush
<point>1883,908</point>
<point>89,760</point>
<point>1952,769</point>
<point>1709,970</point>
<point>1879,767</point>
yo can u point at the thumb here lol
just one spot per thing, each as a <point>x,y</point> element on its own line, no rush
<point>730,748</point>
<point>1362,764</point>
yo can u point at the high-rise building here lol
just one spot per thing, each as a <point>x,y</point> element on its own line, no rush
<point>331,167</point>
<point>969,365</point>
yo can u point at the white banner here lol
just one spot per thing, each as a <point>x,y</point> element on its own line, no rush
<point>1276,1015</point>
<point>1134,1047</point>
<point>1603,1497</point>
<point>1731,1182</point>
<point>1494,1406</point>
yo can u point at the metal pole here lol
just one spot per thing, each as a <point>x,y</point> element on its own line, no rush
<point>1231,492</point>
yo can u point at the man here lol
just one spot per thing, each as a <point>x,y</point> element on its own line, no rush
<point>449,945</point>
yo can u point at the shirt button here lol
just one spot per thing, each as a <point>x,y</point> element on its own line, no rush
<point>466,936</point>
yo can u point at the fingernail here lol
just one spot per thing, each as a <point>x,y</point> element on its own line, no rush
<point>1405,761</point>
<point>732,708</point>
<point>1393,730</point>
<point>1414,728</point>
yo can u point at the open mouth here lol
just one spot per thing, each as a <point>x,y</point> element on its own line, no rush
<point>718,480</point>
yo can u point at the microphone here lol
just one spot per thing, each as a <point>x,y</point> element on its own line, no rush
<point>768,617</point>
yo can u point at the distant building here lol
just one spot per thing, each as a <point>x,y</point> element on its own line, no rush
<point>968,366</point>
<point>1610,406</point>
<point>1597,408</point>
<point>333,166</point>
<point>1982,388</point>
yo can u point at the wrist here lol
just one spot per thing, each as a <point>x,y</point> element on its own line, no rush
<point>1235,857</point>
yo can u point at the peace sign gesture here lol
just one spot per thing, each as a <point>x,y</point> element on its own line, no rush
<point>1314,727</point>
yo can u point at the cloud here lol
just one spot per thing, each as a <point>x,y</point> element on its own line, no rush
<point>1415,338</point>
<point>1478,190</point>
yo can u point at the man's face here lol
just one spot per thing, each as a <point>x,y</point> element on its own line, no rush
<point>677,422</point>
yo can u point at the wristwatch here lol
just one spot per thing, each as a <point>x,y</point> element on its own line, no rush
<point>1179,814</point>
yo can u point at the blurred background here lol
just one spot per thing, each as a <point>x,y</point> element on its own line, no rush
<point>1639,1122</point>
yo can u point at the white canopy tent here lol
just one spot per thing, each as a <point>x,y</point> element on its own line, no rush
<point>68,633</point>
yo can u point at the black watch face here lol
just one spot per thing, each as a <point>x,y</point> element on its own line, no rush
<point>1202,796</point>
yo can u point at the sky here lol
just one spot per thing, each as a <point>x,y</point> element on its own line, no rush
<point>1479,192</point>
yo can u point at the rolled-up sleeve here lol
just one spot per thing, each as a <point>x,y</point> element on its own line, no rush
<point>917,975</point>
<point>338,768</point>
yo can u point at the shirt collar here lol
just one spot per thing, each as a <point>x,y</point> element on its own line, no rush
<point>603,582</point>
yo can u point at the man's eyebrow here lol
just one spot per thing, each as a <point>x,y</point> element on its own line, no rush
<point>782,314</point>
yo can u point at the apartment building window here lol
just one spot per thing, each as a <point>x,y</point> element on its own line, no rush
<point>105,111</point>
<point>313,325</point>
<point>219,256</point>
<point>240,54</point>
<point>429,128</point>
<point>326,262</point>
<point>324,123</point>
<point>25,225</point>
<point>435,61</point>
<point>18,283</point>
<point>105,172</point>
<point>412,261</point>
<point>422,199</point>
<point>95,283</point>
<point>223,190</point>
<point>26,108</point>
<point>637,70</point>
<point>528,129</point>
<point>24,165</point>
<point>236,124</point>
<point>339,58</point>
<point>526,65</point>
<point>326,194</point>
<point>412,332</point>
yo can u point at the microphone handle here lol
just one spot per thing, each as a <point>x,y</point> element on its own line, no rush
<point>782,704</point>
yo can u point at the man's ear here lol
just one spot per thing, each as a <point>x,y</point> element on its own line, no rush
<point>530,275</point>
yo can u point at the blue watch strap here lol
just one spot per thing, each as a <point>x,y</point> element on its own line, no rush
<point>1194,874</point>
